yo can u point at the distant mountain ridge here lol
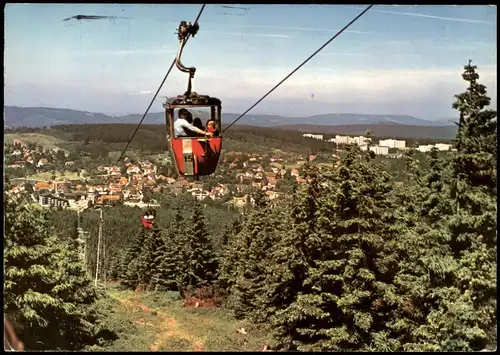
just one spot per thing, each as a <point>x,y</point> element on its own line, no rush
<point>42,116</point>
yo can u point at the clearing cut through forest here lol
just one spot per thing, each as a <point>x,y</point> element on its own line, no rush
<point>160,321</point>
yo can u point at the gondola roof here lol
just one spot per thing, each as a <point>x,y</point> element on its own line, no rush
<point>193,100</point>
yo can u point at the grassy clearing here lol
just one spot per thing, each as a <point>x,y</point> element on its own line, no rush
<point>157,321</point>
<point>46,141</point>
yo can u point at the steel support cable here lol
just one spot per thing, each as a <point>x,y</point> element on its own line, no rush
<point>157,91</point>
<point>304,62</point>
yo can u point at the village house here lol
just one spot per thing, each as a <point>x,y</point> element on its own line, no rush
<point>63,187</point>
<point>272,195</point>
<point>42,185</point>
<point>18,164</point>
<point>271,179</point>
<point>49,200</point>
<point>241,202</point>
<point>242,188</point>
<point>133,169</point>
<point>217,192</point>
<point>113,179</point>
<point>300,180</point>
<point>42,162</point>
<point>233,164</point>
<point>257,185</point>
<point>76,182</point>
<point>148,170</point>
<point>109,199</point>
<point>200,195</point>
<point>245,179</point>
<point>115,171</point>
<point>123,181</point>
<point>75,196</point>
<point>113,189</point>
<point>16,189</point>
<point>98,188</point>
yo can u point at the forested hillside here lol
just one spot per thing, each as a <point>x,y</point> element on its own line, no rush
<point>100,139</point>
<point>351,260</point>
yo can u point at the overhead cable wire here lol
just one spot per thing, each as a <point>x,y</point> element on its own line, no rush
<point>304,62</point>
<point>157,91</point>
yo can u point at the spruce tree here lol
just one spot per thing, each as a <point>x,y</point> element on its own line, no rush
<point>130,275</point>
<point>425,261</point>
<point>168,261</point>
<point>155,250</point>
<point>229,255</point>
<point>465,312</point>
<point>47,293</point>
<point>249,276</point>
<point>199,262</point>
<point>293,256</point>
<point>343,298</point>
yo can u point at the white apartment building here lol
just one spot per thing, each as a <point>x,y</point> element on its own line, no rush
<point>442,146</point>
<point>314,136</point>
<point>439,146</point>
<point>360,140</point>
<point>425,148</point>
<point>392,143</point>
<point>379,150</point>
<point>341,139</point>
<point>351,140</point>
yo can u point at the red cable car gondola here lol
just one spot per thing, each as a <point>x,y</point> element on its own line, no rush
<point>193,154</point>
<point>148,218</point>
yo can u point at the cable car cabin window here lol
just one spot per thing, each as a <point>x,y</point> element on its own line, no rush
<point>204,118</point>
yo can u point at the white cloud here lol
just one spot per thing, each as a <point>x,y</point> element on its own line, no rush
<point>469,46</point>
<point>336,86</point>
<point>341,54</point>
<point>454,19</point>
<point>308,29</point>
<point>127,52</point>
<point>420,92</point>
<point>249,34</point>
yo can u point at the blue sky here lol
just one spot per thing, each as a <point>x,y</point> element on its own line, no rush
<point>394,60</point>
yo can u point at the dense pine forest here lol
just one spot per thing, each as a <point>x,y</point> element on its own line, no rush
<point>352,260</point>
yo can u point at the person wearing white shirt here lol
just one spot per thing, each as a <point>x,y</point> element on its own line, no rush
<point>183,125</point>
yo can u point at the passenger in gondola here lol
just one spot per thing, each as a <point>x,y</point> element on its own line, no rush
<point>211,127</point>
<point>183,126</point>
<point>198,124</point>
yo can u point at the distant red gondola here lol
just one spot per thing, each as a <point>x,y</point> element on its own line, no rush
<point>148,219</point>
